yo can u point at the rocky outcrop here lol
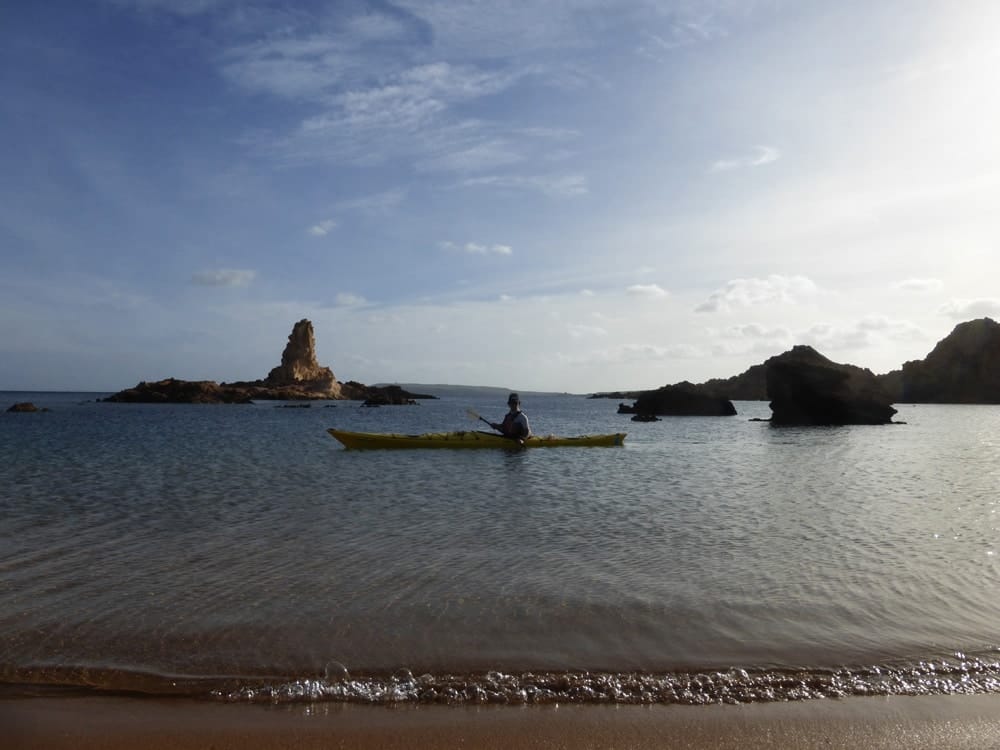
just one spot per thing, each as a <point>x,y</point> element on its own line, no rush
<point>963,368</point>
<point>174,391</point>
<point>806,388</point>
<point>682,400</point>
<point>25,406</point>
<point>299,367</point>
<point>750,385</point>
<point>298,377</point>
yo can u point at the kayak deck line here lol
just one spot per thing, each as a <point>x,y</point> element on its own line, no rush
<point>467,439</point>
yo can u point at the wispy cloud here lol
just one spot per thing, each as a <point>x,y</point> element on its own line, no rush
<point>761,155</point>
<point>748,292</point>
<point>580,331</point>
<point>176,7</point>
<point>349,299</point>
<point>652,291</point>
<point>488,153</point>
<point>918,285</point>
<point>224,277</point>
<point>476,248</point>
<point>556,186</point>
<point>755,331</point>
<point>323,228</point>
<point>681,32</point>
<point>410,113</point>
<point>864,333</point>
<point>375,204</point>
<point>963,309</point>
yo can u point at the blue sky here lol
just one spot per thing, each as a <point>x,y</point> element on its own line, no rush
<point>572,195</point>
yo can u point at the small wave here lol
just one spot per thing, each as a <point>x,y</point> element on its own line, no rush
<point>960,675</point>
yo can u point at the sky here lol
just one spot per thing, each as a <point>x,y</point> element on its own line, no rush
<point>569,195</point>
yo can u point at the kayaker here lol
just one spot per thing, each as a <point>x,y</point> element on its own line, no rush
<point>515,422</point>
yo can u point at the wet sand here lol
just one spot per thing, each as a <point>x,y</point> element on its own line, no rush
<point>116,723</point>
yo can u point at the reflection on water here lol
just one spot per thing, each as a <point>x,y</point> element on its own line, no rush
<point>242,550</point>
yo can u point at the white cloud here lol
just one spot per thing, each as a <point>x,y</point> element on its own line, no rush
<point>683,31</point>
<point>322,228</point>
<point>974,308</point>
<point>761,155</point>
<point>918,285</point>
<point>579,331</point>
<point>487,154</point>
<point>224,277</point>
<point>177,7</point>
<point>561,186</point>
<point>349,299</point>
<point>748,292</point>
<point>476,248</point>
<point>653,291</point>
<point>375,204</point>
<point>754,331</point>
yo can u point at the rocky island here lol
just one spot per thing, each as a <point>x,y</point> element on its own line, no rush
<point>299,377</point>
<point>804,387</point>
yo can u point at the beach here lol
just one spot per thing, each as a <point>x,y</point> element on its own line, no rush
<point>113,723</point>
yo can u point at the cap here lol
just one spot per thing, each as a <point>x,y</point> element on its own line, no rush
<point>513,399</point>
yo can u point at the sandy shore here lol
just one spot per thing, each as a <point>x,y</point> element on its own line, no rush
<point>116,723</point>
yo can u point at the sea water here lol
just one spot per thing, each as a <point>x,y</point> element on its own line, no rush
<point>239,553</point>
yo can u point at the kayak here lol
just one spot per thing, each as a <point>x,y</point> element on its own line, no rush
<point>470,439</point>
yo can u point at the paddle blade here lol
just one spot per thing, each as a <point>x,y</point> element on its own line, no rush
<point>472,414</point>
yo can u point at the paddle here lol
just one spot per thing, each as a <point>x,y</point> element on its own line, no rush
<point>473,415</point>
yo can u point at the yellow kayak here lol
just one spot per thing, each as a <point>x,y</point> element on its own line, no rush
<point>470,439</point>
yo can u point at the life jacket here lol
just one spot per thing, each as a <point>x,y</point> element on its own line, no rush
<point>509,427</point>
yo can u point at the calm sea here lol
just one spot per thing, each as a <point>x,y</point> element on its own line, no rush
<point>239,553</point>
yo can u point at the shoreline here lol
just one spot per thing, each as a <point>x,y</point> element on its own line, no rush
<point>116,723</point>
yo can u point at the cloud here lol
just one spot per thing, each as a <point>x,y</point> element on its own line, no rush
<point>375,204</point>
<point>642,353</point>
<point>749,292</point>
<point>348,299</point>
<point>862,334</point>
<point>323,228</point>
<point>579,331</point>
<point>177,7</point>
<point>652,291</point>
<point>828,337</point>
<point>224,277</point>
<point>762,155</point>
<point>486,154</point>
<point>754,331</point>
<point>475,248</point>
<point>974,308</point>
<point>687,26</point>
<point>410,113</point>
<point>918,285</point>
<point>561,186</point>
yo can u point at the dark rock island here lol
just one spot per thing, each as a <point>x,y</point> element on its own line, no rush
<point>298,377</point>
<point>806,388</point>
<point>682,400</point>
<point>964,368</point>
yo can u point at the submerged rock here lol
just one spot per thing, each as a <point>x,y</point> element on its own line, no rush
<point>25,406</point>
